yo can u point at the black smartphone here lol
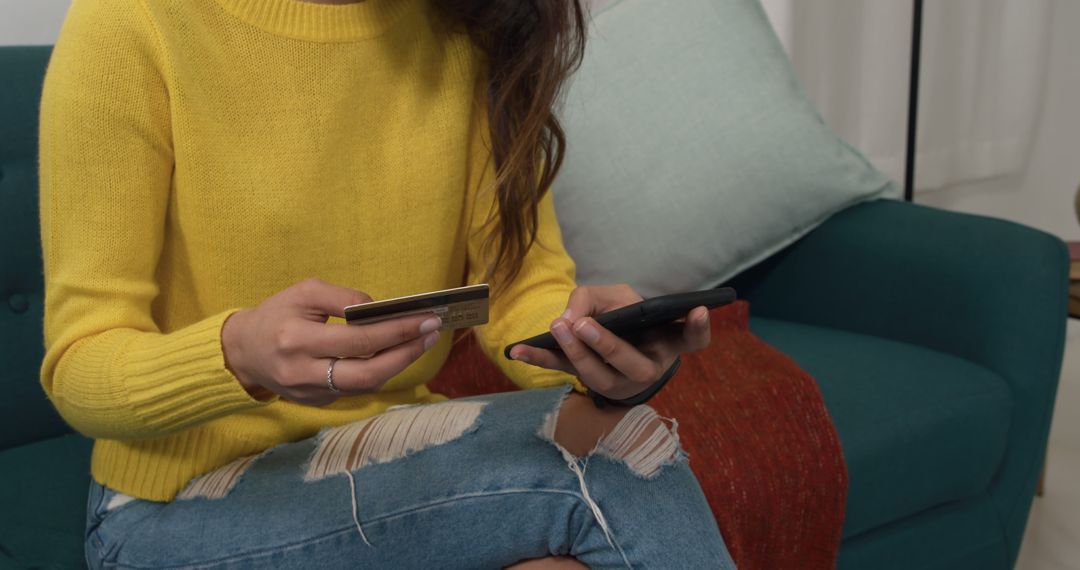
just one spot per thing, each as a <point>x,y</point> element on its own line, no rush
<point>631,320</point>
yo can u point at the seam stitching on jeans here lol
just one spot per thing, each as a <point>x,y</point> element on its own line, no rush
<point>344,530</point>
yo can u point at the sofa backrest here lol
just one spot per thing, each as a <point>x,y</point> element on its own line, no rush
<point>25,413</point>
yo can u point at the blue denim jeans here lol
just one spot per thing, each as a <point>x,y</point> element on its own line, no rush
<point>495,491</point>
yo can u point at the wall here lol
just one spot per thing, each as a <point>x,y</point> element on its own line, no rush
<point>1041,196</point>
<point>33,22</point>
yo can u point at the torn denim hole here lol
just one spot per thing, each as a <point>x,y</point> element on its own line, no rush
<point>578,467</point>
<point>388,436</point>
<point>216,484</point>
<point>116,501</point>
<point>640,440</point>
<point>643,442</point>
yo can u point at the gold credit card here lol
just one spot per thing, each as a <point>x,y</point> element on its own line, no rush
<point>458,308</point>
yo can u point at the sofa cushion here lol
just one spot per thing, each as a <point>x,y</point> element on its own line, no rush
<point>693,152</point>
<point>43,501</point>
<point>919,428</point>
<point>25,413</point>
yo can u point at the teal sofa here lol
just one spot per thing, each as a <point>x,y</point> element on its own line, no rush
<point>936,338</point>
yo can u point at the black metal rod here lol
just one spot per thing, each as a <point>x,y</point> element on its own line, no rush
<point>913,102</point>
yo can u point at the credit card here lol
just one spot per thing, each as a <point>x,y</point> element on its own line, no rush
<point>458,308</point>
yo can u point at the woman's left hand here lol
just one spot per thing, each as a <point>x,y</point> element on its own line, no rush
<point>604,362</point>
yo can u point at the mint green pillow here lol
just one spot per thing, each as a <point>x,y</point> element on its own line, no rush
<point>693,152</point>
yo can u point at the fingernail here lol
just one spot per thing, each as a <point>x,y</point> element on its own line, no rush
<point>703,317</point>
<point>521,358</point>
<point>562,332</point>
<point>431,324</point>
<point>587,331</point>
<point>430,340</point>
<point>565,315</point>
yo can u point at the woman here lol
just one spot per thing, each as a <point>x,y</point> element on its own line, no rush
<point>202,161</point>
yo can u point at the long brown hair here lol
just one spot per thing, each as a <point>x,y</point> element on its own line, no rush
<point>531,47</point>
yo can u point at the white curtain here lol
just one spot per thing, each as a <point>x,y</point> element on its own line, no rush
<point>982,80</point>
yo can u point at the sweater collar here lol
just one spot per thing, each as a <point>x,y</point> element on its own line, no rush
<point>321,22</point>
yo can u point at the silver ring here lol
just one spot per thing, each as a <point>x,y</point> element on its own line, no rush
<point>330,376</point>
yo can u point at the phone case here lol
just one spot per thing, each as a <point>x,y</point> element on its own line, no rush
<point>633,319</point>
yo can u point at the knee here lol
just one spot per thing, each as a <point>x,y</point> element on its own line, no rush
<point>580,425</point>
<point>636,435</point>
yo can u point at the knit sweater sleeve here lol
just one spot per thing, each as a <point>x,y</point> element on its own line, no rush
<point>106,164</point>
<point>538,295</point>
<point>526,306</point>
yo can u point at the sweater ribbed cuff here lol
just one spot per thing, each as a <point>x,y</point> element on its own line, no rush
<point>167,382</point>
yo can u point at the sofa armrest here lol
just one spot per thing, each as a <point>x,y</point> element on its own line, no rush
<point>986,290</point>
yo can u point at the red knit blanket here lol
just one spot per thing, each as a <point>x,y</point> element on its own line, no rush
<point>759,438</point>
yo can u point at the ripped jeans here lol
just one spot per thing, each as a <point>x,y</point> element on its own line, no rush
<point>470,483</point>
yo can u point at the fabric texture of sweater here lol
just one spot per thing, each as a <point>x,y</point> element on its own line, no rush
<point>199,156</point>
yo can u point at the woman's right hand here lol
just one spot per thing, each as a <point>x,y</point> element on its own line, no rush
<point>285,345</point>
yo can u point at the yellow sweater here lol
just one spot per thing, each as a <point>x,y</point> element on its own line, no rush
<point>198,156</point>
